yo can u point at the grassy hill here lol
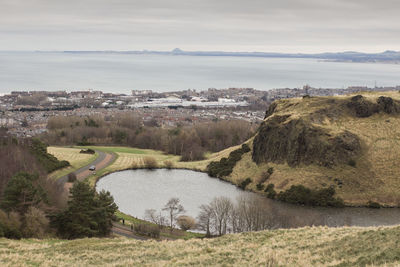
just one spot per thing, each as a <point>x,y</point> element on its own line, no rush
<point>316,246</point>
<point>350,143</point>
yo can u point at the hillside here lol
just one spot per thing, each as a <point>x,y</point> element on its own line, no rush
<point>316,246</point>
<point>349,143</point>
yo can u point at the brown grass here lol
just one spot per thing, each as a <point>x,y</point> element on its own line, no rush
<point>315,246</point>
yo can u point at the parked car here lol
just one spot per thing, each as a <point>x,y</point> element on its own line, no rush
<point>92,168</point>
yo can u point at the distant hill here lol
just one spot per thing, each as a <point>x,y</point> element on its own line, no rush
<point>348,56</point>
<point>348,143</point>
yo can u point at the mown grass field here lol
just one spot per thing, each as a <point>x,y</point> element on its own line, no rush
<point>76,159</point>
<point>315,246</point>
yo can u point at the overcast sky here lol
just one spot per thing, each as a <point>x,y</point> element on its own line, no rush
<point>229,25</point>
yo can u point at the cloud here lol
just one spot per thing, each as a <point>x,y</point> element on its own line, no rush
<point>264,25</point>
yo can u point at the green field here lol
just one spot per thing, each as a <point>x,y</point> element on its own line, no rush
<point>315,246</point>
<point>72,155</point>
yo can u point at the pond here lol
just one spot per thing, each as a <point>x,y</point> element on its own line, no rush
<point>135,191</point>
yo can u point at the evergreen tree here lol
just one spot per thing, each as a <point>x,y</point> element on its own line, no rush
<point>22,192</point>
<point>88,214</point>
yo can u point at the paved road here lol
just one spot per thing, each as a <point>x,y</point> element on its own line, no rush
<point>102,161</point>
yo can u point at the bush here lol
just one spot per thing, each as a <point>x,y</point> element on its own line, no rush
<point>225,166</point>
<point>298,194</point>
<point>36,223</point>
<point>10,225</point>
<point>245,183</point>
<point>271,193</point>
<point>87,151</point>
<point>168,164</point>
<point>186,222</point>
<point>147,230</point>
<point>260,187</point>
<point>48,161</point>
<point>150,163</point>
<point>71,177</point>
<point>374,205</point>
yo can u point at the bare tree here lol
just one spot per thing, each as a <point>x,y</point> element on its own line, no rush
<point>221,208</point>
<point>174,208</point>
<point>205,219</point>
<point>155,217</point>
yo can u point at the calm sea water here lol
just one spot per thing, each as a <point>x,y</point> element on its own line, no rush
<point>123,72</point>
<point>135,191</point>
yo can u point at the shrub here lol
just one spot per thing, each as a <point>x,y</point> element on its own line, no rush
<point>225,166</point>
<point>10,225</point>
<point>48,161</point>
<point>71,177</point>
<point>299,194</point>
<point>87,151</point>
<point>260,187</point>
<point>147,230</point>
<point>245,183</point>
<point>374,205</point>
<point>150,163</point>
<point>271,193</point>
<point>186,222</point>
<point>168,164</point>
<point>36,223</point>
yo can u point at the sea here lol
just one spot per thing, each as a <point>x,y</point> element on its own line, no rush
<point>123,72</point>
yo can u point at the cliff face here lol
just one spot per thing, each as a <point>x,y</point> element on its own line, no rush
<point>297,141</point>
<point>304,139</point>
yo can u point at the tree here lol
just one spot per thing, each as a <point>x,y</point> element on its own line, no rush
<point>186,222</point>
<point>22,192</point>
<point>152,216</point>
<point>88,214</point>
<point>221,208</point>
<point>174,208</point>
<point>204,219</point>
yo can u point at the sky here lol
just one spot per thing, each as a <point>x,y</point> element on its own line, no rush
<point>308,26</point>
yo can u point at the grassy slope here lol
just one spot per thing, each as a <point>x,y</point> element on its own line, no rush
<point>376,175</point>
<point>297,247</point>
<point>76,159</point>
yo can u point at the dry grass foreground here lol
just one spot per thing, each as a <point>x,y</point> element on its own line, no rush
<point>315,246</point>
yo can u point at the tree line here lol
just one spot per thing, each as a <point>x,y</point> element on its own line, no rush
<point>222,216</point>
<point>190,142</point>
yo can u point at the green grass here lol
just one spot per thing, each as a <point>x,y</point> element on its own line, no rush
<point>310,246</point>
